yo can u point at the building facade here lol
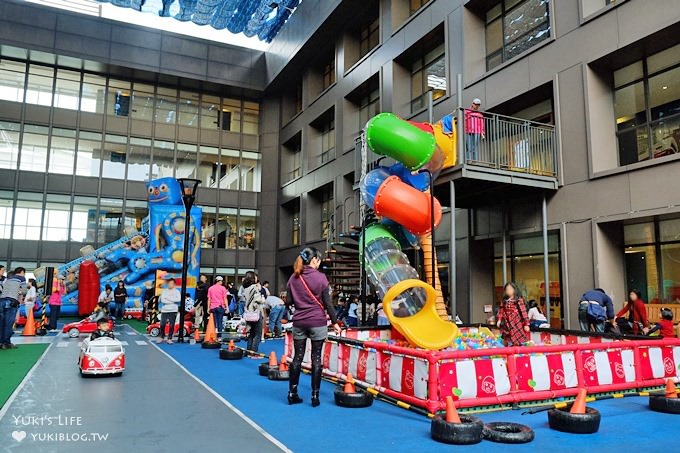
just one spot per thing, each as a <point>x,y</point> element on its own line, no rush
<point>87,115</point>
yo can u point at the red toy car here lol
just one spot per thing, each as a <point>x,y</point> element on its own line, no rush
<point>133,313</point>
<point>155,329</point>
<point>102,356</point>
<point>87,325</point>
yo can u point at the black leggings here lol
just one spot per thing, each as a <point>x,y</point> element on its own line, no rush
<point>295,368</point>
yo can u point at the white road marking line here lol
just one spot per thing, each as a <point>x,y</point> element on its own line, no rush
<point>63,344</point>
<point>243,416</point>
<point>27,378</point>
<point>131,333</point>
<point>124,343</point>
<point>141,343</point>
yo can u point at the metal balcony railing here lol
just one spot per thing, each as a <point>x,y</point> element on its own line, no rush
<point>507,143</point>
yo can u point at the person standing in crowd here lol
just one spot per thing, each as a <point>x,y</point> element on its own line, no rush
<point>31,296</point>
<point>254,305</point>
<point>352,319</point>
<point>265,289</point>
<point>594,309</point>
<point>201,303</point>
<point>309,292</point>
<point>635,312</point>
<point>276,309</point>
<point>13,291</point>
<point>474,129</point>
<point>58,290</point>
<point>241,297</point>
<point>149,294</point>
<point>169,302</point>
<point>2,273</point>
<point>120,298</point>
<point>217,301</point>
<point>512,319</point>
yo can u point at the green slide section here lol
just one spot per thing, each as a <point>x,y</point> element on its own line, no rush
<point>15,364</point>
<point>389,135</point>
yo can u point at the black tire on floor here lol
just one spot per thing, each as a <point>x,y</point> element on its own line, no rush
<point>562,420</point>
<point>353,400</point>
<point>665,405</point>
<point>277,375</point>
<point>231,354</point>
<point>210,345</point>
<point>508,433</point>
<point>468,432</point>
<point>264,368</point>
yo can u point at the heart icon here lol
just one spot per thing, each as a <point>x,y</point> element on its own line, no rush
<point>19,435</point>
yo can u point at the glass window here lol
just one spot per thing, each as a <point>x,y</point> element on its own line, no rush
<point>292,159</point>
<point>163,159</point>
<point>415,5</point>
<point>669,230</point>
<point>369,104</point>
<point>210,111</point>
<point>513,27</point>
<point>231,115</point>
<point>229,169</point>
<point>6,209</point>
<point>28,216</point>
<point>369,36</point>
<point>115,156</point>
<point>589,7</point>
<point>93,96</point>
<point>12,80</point>
<point>135,213</point>
<point>327,208</point>
<point>57,213</point>
<point>647,108</point>
<point>225,230</point>
<point>34,148</point>
<point>247,229</point>
<point>142,102</point>
<point>328,72</point>
<point>298,96</point>
<point>638,233</point>
<point>118,99</point>
<point>428,73</point>
<point>670,263</point>
<point>110,220</point>
<point>208,221</point>
<point>250,171</point>
<point>9,144</point>
<point>208,166</point>
<point>186,161</point>
<point>84,219</point>
<point>89,155</point>
<point>188,109</point>
<point>166,105</point>
<point>295,229</point>
<point>39,89</point>
<point>327,141</point>
<point>67,91</point>
<point>251,117</point>
<point>62,151</point>
<point>139,159</point>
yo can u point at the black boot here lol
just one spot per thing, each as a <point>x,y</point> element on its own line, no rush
<point>293,397</point>
<point>316,385</point>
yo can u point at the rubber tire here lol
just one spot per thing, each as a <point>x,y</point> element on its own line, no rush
<point>264,368</point>
<point>659,403</point>
<point>277,375</point>
<point>233,354</point>
<point>41,332</point>
<point>155,332</point>
<point>468,432</point>
<point>73,332</point>
<point>352,400</point>
<point>562,420</point>
<point>209,345</point>
<point>508,433</point>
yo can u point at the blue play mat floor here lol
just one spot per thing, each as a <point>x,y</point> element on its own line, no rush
<point>626,423</point>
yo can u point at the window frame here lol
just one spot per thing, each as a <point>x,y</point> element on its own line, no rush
<point>420,67</point>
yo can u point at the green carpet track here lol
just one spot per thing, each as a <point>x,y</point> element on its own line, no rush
<point>15,364</point>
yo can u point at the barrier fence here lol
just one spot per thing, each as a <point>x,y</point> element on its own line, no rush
<point>485,377</point>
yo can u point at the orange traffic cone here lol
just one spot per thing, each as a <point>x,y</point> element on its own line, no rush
<point>272,360</point>
<point>349,384</point>
<point>284,363</point>
<point>210,334</point>
<point>579,406</point>
<point>671,391</point>
<point>231,345</point>
<point>197,335</point>
<point>451,412</point>
<point>29,328</point>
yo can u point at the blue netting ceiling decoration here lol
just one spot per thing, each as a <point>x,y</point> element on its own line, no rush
<point>261,18</point>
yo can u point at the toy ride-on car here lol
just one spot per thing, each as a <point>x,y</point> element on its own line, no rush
<point>87,325</point>
<point>155,329</point>
<point>102,355</point>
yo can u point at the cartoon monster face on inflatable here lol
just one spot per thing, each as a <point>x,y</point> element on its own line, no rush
<point>164,191</point>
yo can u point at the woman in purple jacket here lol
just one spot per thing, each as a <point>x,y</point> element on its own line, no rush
<point>309,292</point>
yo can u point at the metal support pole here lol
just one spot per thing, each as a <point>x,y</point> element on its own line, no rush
<point>430,109</point>
<point>434,249</point>
<point>452,253</point>
<point>185,268</point>
<point>546,270</point>
<point>460,137</point>
<point>505,248</point>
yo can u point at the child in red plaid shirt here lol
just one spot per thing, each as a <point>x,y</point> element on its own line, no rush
<point>512,317</point>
